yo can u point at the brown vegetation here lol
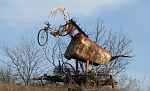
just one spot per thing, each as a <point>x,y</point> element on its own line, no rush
<point>4,87</point>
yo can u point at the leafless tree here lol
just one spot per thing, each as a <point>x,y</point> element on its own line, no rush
<point>54,54</point>
<point>117,44</point>
<point>5,75</point>
<point>25,59</point>
<point>128,83</point>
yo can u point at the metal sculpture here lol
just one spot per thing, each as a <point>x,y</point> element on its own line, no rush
<point>81,47</point>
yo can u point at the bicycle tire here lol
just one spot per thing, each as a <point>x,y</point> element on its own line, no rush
<point>69,65</point>
<point>42,34</point>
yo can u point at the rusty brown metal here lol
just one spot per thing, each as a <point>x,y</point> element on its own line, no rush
<point>82,48</point>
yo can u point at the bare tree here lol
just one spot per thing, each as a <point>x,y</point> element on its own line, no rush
<point>25,59</point>
<point>118,45</point>
<point>128,83</point>
<point>5,75</point>
<point>54,54</point>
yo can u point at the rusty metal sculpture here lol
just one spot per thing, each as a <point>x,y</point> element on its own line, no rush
<point>81,47</point>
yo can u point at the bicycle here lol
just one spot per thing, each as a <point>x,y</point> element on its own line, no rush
<point>43,32</point>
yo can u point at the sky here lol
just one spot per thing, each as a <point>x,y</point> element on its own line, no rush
<point>22,18</point>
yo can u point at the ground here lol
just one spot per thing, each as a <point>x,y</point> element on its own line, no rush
<point>4,87</point>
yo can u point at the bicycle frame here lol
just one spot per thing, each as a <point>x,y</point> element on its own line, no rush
<point>67,29</point>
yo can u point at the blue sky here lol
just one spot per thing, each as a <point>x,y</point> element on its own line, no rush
<point>20,18</point>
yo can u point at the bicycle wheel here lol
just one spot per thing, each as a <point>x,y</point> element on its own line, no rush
<point>67,67</point>
<point>42,37</point>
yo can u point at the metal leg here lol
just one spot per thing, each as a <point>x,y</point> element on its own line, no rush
<point>77,67</point>
<point>87,65</point>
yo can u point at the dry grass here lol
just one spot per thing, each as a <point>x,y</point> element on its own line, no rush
<point>48,88</point>
<point>30,88</point>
